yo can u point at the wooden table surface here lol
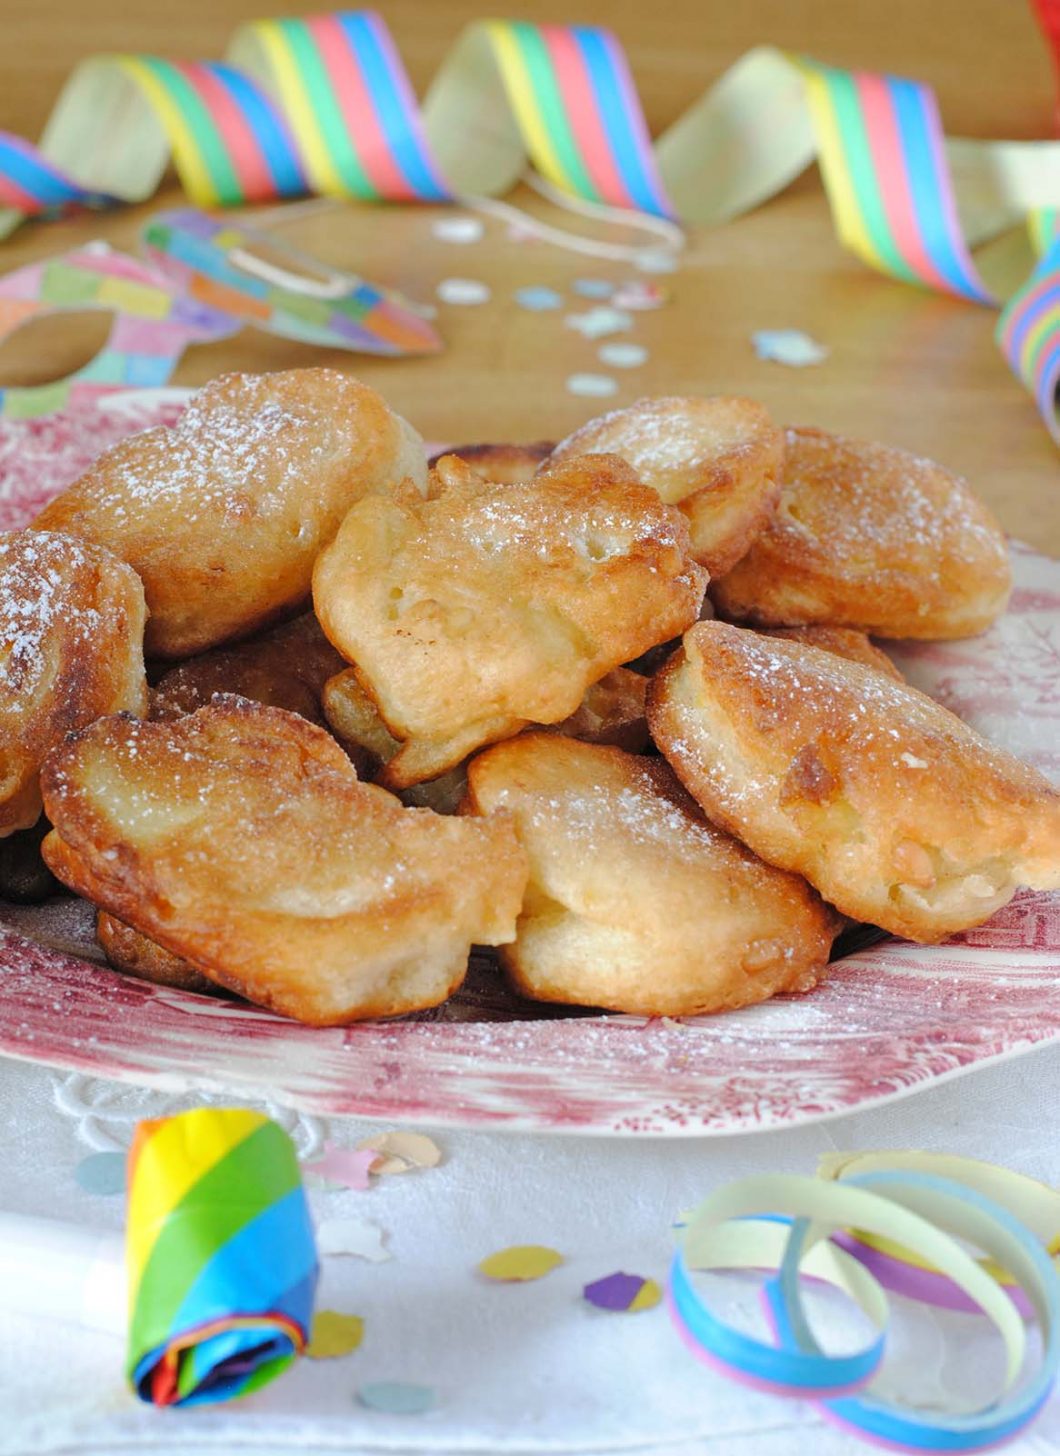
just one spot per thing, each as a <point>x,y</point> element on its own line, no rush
<point>905,366</point>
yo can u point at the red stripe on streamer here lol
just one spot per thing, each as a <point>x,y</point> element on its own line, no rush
<point>12,195</point>
<point>358,109</point>
<point>255,176</point>
<point>589,132</point>
<point>885,141</point>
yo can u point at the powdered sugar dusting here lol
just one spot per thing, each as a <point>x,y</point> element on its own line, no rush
<point>216,457</point>
<point>37,593</point>
<point>670,442</point>
<point>848,495</point>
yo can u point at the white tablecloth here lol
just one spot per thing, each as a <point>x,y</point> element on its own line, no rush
<point>523,1368</point>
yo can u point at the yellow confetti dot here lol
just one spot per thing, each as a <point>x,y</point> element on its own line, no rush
<point>649,1296</point>
<point>520,1263</point>
<point>334,1334</point>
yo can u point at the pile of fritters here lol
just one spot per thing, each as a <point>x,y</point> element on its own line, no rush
<point>500,706</point>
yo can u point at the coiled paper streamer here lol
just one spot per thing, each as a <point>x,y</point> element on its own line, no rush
<point>221,1261</point>
<point>323,104</point>
<point>1035,1204</point>
<point>785,1224</point>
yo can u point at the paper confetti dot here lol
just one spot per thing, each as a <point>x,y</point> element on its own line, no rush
<point>622,355</point>
<point>639,296</point>
<point>334,1334</point>
<point>623,1292</point>
<point>348,1167</point>
<point>538,299</point>
<point>397,1398</point>
<point>597,385</point>
<point>355,1236</point>
<point>401,1152</point>
<point>466,291</point>
<point>520,1263</point>
<point>593,287</point>
<point>788,346</point>
<point>458,229</point>
<point>102,1173</point>
<point>597,323</point>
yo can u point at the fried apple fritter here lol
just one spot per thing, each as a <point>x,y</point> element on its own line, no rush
<point>718,459</point>
<point>612,711</point>
<point>501,464</point>
<point>843,641</point>
<point>285,667</point>
<point>484,607</point>
<point>636,902</point>
<point>240,840</point>
<point>129,951</point>
<point>898,813</point>
<point>71,649</point>
<point>871,537</point>
<point>224,514</point>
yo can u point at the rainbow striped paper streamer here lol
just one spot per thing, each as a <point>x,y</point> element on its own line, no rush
<point>1029,329</point>
<point>221,1259</point>
<point>323,104</point>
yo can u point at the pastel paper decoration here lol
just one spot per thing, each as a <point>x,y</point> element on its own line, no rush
<point>221,1262</point>
<point>225,264</point>
<point>786,1224</point>
<point>153,323</point>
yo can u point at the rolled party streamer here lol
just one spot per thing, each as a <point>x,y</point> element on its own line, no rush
<point>923,1213</point>
<point>1035,1204</point>
<point>222,1265</point>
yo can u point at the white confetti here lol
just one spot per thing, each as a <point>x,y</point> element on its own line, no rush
<point>598,385</point>
<point>458,229</point>
<point>622,355</point>
<point>464,291</point>
<point>355,1236</point>
<point>597,323</point>
<point>650,262</point>
<point>788,346</point>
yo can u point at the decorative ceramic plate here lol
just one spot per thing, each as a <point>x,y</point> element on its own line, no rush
<point>890,1019</point>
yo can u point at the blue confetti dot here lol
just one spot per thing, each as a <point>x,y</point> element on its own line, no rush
<point>593,287</point>
<point>397,1398</point>
<point>102,1173</point>
<point>538,299</point>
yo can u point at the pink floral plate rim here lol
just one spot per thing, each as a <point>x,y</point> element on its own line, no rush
<point>891,1018</point>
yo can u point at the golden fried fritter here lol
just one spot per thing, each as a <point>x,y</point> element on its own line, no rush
<point>843,641</point>
<point>239,839</point>
<point>719,459</point>
<point>871,537</point>
<point>129,951</point>
<point>501,464</point>
<point>71,649</point>
<point>224,514</point>
<point>612,711</point>
<point>893,808</point>
<point>285,667</point>
<point>485,607</point>
<point>636,902</point>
